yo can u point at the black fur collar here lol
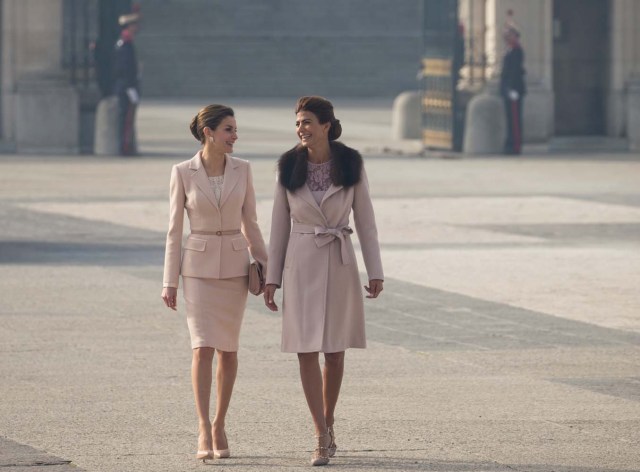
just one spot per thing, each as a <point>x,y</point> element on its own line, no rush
<point>292,166</point>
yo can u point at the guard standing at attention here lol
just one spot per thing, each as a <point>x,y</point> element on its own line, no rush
<point>126,83</point>
<point>513,89</point>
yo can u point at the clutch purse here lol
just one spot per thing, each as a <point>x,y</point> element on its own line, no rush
<point>256,278</point>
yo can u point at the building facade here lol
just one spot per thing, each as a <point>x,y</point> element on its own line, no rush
<point>582,61</point>
<point>582,58</point>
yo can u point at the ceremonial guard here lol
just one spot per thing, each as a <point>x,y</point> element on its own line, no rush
<point>126,83</point>
<point>513,89</point>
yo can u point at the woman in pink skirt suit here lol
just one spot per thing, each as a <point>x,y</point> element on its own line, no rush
<point>217,192</point>
<point>320,182</point>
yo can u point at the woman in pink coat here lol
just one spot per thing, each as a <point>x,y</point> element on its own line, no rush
<point>216,190</point>
<point>320,181</point>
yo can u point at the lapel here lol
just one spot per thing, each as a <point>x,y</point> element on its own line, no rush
<point>231,178</point>
<point>199,176</point>
<point>305,193</point>
<point>330,191</point>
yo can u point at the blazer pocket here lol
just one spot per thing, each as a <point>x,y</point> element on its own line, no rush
<point>195,244</point>
<point>239,244</point>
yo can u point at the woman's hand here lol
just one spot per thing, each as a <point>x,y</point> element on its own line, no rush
<point>374,288</point>
<point>170,297</point>
<point>269,292</point>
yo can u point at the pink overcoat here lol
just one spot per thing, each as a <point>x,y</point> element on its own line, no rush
<point>311,255</point>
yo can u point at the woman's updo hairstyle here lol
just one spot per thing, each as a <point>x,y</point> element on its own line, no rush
<point>323,109</point>
<point>210,116</point>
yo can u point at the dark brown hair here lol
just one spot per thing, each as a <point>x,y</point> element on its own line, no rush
<point>323,109</point>
<point>210,116</point>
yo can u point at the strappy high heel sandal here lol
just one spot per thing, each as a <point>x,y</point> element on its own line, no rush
<point>321,454</point>
<point>332,444</point>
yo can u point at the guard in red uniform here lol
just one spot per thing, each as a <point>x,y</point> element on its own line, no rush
<point>126,83</point>
<point>513,89</point>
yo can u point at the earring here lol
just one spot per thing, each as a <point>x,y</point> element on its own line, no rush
<point>211,139</point>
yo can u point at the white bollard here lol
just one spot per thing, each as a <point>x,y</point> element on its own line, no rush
<point>485,128</point>
<point>406,117</point>
<point>106,132</point>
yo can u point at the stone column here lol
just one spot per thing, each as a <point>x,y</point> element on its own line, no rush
<point>633,115</point>
<point>615,101</point>
<point>624,92</point>
<point>40,108</point>
<point>7,101</point>
<point>624,73</point>
<point>472,16</point>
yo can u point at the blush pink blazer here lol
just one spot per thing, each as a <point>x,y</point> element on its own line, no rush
<point>212,256</point>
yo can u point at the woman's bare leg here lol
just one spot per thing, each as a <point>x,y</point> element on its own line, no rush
<point>332,376</point>
<point>226,373</point>
<point>201,376</point>
<point>311,378</point>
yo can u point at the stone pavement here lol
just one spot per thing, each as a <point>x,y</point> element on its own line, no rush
<point>507,337</point>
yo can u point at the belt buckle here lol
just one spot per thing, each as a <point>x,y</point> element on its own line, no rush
<point>218,233</point>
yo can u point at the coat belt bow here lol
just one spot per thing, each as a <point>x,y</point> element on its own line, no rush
<point>324,236</point>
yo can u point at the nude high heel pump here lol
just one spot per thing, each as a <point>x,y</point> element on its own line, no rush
<point>204,456</point>
<point>222,453</point>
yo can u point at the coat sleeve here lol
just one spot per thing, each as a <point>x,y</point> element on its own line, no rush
<point>279,239</point>
<point>511,76</point>
<point>131,67</point>
<point>125,65</point>
<point>366,228</point>
<point>172,255</point>
<point>503,77</point>
<point>518,72</point>
<point>250,227</point>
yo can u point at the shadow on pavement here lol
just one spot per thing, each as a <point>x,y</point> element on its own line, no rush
<point>61,253</point>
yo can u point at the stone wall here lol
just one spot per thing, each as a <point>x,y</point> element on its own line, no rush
<point>279,47</point>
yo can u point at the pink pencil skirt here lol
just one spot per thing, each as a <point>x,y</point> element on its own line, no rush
<point>215,308</point>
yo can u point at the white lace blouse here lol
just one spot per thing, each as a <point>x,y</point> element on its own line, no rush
<point>217,183</point>
<point>319,179</point>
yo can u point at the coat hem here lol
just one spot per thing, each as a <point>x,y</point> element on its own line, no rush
<point>324,351</point>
